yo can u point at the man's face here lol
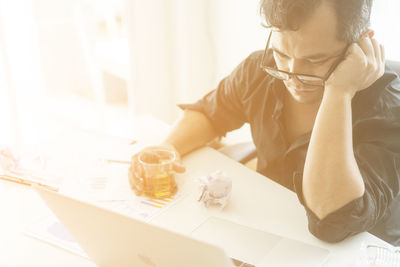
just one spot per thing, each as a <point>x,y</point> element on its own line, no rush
<point>312,49</point>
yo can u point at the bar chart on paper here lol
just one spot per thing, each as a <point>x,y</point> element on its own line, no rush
<point>142,208</point>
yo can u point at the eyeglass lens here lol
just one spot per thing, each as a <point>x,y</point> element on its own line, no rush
<point>302,78</point>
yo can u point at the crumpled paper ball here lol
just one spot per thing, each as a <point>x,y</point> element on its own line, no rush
<point>215,189</point>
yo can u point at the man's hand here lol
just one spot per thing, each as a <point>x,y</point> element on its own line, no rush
<point>135,173</point>
<point>364,63</point>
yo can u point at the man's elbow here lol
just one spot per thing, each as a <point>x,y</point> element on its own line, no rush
<point>322,204</point>
<point>328,233</point>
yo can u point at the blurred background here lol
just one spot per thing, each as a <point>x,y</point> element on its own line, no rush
<point>96,65</point>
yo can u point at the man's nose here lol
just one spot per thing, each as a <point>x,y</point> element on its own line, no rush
<point>294,65</point>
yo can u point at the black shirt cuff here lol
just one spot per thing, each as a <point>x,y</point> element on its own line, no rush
<point>352,218</point>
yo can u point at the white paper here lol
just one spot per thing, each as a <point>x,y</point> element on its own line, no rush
<point>50,230</point>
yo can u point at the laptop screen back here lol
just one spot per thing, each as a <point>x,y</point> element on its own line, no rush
<point>112,239</point>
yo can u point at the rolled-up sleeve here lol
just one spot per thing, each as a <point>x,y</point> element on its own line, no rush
<point>224,106</point>
<point>377,152</point>
<point>380,169</point>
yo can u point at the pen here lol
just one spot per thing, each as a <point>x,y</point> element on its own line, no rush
<point>118,161</point>
<point>27,181</point>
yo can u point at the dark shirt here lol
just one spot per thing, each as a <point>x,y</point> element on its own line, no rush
<point>249,95</point>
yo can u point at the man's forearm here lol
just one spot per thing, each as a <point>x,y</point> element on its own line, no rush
<point>191,131</point>
<point>331,176</point>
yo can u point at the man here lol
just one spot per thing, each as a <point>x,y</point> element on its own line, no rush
<point>324,116</point>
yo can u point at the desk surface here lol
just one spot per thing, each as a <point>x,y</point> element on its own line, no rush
<point>255,201</point>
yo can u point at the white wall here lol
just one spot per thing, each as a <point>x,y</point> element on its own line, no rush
<point>7,100</point>
<point>385,22</point>
<point>20,40</point>
<point>61,51</point>
<point>20,70</point>
<point>237,32</point>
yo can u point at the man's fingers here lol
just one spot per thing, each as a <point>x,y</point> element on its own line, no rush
<point>372,55</point>
<point>382,52</point>
<point>131,178</point>
<point>367,48</point>
<point>382,62</point>
<point>134,172</point>
<point>377,51</point>
<point>363,64</point>
<point>150,157</point>
<point>179,168</point>
<point>355,52</point>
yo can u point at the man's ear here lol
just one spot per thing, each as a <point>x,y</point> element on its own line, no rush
<point>368,33</point>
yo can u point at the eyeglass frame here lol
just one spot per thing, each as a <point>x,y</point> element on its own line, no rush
<point>291,74</point>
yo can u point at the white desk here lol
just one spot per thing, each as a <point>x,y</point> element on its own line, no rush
<point>256,202</point>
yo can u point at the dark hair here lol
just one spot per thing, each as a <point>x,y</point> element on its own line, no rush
<point>353,15</point>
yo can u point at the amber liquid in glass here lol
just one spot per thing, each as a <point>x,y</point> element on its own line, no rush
<point>160,186</point>
<point>159,178</point>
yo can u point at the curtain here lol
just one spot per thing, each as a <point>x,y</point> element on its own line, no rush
<point>179,49</point>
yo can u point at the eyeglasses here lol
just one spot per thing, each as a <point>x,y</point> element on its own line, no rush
<point>305,79</point>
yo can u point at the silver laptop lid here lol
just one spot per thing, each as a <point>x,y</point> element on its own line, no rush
<point>111,239</point>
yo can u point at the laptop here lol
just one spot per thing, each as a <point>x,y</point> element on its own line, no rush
<point>113,239</point>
